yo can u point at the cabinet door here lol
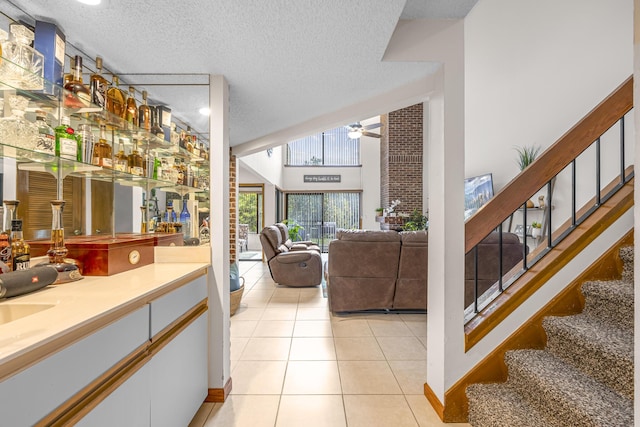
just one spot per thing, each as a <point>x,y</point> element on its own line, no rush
<point>30,395</point>
<point>179,377</point>
<point>165,310</point>
<point>127,406</point>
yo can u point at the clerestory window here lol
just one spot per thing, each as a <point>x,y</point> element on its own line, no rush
<point>329,148</point>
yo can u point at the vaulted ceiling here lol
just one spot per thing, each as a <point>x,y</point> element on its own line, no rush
<point>286,62</point>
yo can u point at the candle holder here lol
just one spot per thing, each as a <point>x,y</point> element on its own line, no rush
<point>68,270</point>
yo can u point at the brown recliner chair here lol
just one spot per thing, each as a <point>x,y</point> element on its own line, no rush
<point>297,268</point>
<point>297,245</point>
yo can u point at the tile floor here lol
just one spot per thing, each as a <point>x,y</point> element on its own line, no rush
<point>294,364</point>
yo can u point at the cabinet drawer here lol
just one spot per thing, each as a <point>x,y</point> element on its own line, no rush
<point>29,395</point>
<point>166,309</point>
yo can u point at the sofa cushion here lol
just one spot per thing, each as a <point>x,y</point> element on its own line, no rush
<point>414,238</point>
<point>368,235</point>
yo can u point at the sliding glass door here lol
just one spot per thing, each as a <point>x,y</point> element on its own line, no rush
<point>321,214</point>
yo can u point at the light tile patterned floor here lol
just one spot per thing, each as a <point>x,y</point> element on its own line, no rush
<point>294,364</point>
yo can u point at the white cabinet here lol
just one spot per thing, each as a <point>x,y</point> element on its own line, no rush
<point>30,395</point>
<point>179,377</point>
<point>179,369</point>
<point>129,405</point>
<point>146,368</point>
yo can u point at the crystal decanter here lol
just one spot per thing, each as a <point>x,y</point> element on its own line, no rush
<point>15,130</point>
<point>24,66</point>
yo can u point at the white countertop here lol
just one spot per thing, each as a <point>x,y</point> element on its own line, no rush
<point>79,303</point>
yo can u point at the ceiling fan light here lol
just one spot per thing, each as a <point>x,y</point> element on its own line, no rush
<point>354,133</point>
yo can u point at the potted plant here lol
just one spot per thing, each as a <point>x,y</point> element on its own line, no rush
<point>526,156</point>
<point>294,229</point>
<point>536,229</point>
<point>416,221</point>
<point>379,211</point>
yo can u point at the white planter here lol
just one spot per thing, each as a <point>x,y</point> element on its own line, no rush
<point>535,232</point>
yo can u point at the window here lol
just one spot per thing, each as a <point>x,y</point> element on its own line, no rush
<point>321,214</point>
<point>250,208</point>
<point>329,148</point>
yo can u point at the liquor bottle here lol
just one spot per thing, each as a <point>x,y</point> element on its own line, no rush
<point>144,113</point>
<point>98,86</point>
<point>20,250</point>
<point>5,235</point>
<point>188,140</point>
<point>46,141</point>
<point>102,150</point>
<point>136,166</point>
<point>116,100</point>
<point>203,150</point>
<point>66,141</point>
<point>85,135</point>
<point>174,136</point>
<point>121,163</point>
<point>131,114</point>
<point>79,96</point>
<point>155,126</point>
<point>72,69</point>
<point>185,220</point>
<point>24,68</point>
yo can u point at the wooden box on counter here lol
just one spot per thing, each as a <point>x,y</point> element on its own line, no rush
<point>104,255</point>
<point>160,239</point>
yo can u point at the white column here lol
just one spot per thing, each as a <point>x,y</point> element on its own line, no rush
<point>219,227</point>
<point>445,128</point>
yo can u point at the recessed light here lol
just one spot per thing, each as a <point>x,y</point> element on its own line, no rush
<point>205,111</point>
<point>90,2</point>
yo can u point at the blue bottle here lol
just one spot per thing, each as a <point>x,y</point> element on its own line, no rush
<point>185,220</point>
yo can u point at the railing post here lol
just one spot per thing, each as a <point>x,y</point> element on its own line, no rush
<point>475,279</point>
<point>573,193</point>
<point>598,200</point>
<point>622,150</point>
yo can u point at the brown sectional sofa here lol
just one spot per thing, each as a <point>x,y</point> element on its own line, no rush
<point>387,270</point>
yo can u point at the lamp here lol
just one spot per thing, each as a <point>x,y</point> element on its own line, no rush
<point>354,130</point>
<point>354,133</point>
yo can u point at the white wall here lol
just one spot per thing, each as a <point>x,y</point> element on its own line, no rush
<point>533,69</point>
<point>265,166</point>
<point>255,169</point>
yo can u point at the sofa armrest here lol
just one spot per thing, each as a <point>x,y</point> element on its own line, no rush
<point>294,257</point>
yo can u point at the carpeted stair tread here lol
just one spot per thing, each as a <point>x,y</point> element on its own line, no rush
<point>612,300</point>
<point>561,391</point>
<point>498,405</point>
<point>599,349</point>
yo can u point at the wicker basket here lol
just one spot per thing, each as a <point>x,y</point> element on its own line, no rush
<point>235,298</point>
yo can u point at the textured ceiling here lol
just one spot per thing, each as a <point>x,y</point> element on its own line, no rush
<point>286,61</point>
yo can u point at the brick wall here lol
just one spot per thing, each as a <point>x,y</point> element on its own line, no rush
<point>401,159</point>
<point>233,196</point>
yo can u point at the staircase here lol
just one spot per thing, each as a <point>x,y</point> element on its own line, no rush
<point>584,376</point>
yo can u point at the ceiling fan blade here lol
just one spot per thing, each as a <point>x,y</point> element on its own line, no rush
<point>372,126</point>
<point>371,134</point>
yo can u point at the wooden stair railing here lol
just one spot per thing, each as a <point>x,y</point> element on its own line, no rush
<point>539,174</point>
<point>553,160</point>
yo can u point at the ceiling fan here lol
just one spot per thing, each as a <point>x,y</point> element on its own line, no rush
<point>356,130</point>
